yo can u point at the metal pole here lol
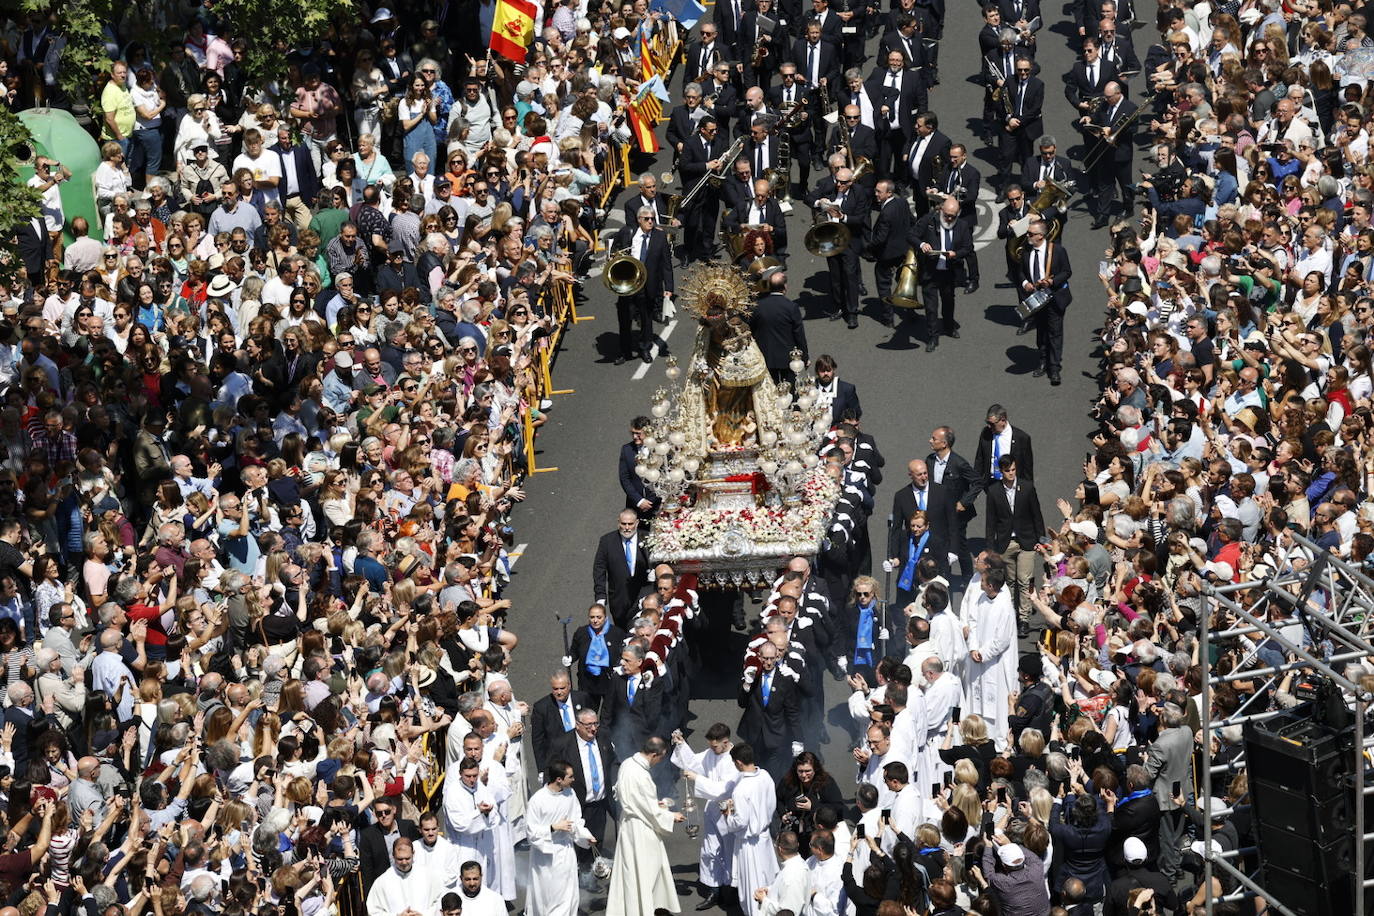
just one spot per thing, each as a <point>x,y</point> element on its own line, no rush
<point>1358,774</point>
<point>1245,880</point>
<point>1206,705</point>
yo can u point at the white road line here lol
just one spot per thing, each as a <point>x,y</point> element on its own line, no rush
<point>644,368</point>
<point>516,554</point>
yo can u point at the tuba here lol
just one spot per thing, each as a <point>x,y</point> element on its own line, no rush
<point>827,237</point>
<point>1049,205</point>
<point>906,286</point>
<point>754,272</point>
<point>624,274</point>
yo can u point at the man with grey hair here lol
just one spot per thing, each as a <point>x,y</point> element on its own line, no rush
<point>67,691</point>
<point>110,674</point>
<point>1168,764</point>
<point>28,721</point>
<point>58,637</point>
<point>638,304</point>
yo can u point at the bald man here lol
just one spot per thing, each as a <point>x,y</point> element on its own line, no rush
<point>944,244</point>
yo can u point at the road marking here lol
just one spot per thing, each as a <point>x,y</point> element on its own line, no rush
<point>513,555</point>
<point>987,232</point>
<point>643,369</point>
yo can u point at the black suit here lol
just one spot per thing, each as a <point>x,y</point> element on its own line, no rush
<point>725,107</point>
<point>373,858</point>
<point>728,24</point>
<point>827,60</point>
<point>613,581</point>
<point>963,184</point>
<point>844,267</point>
<point>546,724</point>
<point>905,99</point>
<point>912,49</point>
<point>761,156</point>
<point>1078,88</point>
<point>773,216</point>
<point>308,183</point>
<point>1112,161</point>
<point>920,167</point>
<point>940,516</point>
<point>1005,217</point>
<point>627,722</point>
<point>778,330</point>
<point>887,245</point>
<point>1021,523</point>
<point>1049,321</point>
<point>682,127</point>
<point>749,36</point>
<point>1014,11</point>
<point>699,220</point>
<point>734,193</point>
<point>1137,818</point>
<point>802,137</point>
<point>630,482</point>
<point>1020,452</point>
<point>1060,169</point>
<point>659,203</point>
<point>1027,104</point>
<point>699,59</point>
<point>1121,53</point>
<point>641,307</point>
<point>772,727</point>
<point>846,398</point>
<point>595,813</point>
<point>939,276</point>
<point>863,143</point>
<point>958,485</point>
<point>599,684</point>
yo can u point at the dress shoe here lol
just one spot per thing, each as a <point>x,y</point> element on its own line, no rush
<point>953,332</point>
<point>1022,629</point>
<point>711,901</point>
<point>1055,380</point>
<point>851,323</point>
<point>833,316</point>
<point>1023,330</point>
<point>647,357</point>
<point>972,287</point>
<point>620,360</point>
<point>887,321</point>
<point>1100,222</point>
<point>1039,372</point>
<point>932,344</point>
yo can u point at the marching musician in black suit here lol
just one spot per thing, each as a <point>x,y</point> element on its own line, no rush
<point>554,715</point>
<point>620,569</point>
<point>1089,77</point>
<point>1026,103</point>
<point>737,190</point>
<point>771,721</point>
<point>1048,166</point>
<point>682,121</point>
<point>1044,265</point>
<point>850,206</point>
<point>651,247</point>
<point>701,154</point>
<point>1000,438</point>
<point>718,96</point>
<point>897,95</point>
<point>1014,527</point>
<point>927,158</point>
<point>1109,157</point>
<point>702,54</point>
<point>791,92</point>
<point>776,324</point>
<point>962,182</point>
<point>853,16</point>
<point>1019,13</point>
<point>851,136</point>
<point>825,19</point>
<point>727,16</point>
<point>761,210</point>
<point>944,243</point>
<point>761,149</point>
<point>637,496</point>
<point>762,30</point>
<point>906,40</point>
<point>887,243</point>
<point>920,496</point>
<point>648,196</point>
<point>1117,48</point>
<point>594,649</point>
<point>1017,207</point>
<point>816,58</point>
<point>998,67</point>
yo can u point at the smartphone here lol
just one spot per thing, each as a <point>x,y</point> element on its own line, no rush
<point>934,789</point>
<point>1002,796</point>
<point>1177,788</point>
<point>861,831</point>
<point>954,715</point>
<point>989,829</point>
<point>887,814</point>
<point>948,780</point>
<point>1073,753</point>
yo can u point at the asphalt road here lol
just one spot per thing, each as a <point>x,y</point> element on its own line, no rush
<point>905,393</point>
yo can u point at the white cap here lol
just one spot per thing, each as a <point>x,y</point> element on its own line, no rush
<point>1219,569</point>
<point>1011,855</point>
<point>1138,308</point>
<point>1134,849</point>
<point>1087,528</point>
<point>1103,679</point>
<point>620,33</point>
<point>343,359</point>
<point>1227,507</point>
<point>382,15</point>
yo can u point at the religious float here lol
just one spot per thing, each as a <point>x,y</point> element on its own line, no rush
<point>733,455</point>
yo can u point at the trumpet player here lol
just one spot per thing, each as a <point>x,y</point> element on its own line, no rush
<point>635,312</point>
<point>1089,77</point>
<point>701,154</point>
<point>719,96</point>
<point>887,244</point>
<point>648,196</point>
<point>1024,101</point>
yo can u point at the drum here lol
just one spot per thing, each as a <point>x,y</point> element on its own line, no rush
<point>1028,307</point>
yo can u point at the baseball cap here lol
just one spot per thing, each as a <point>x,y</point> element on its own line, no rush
<point>620,33</point>
<point>1134,849</point>
<point>1011,855</point>
<point>370,390</point>
<point>382,15</point>
<point>343,360</point>
<point>1086,528</point>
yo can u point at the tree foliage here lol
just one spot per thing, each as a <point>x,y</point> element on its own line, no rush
<point>84,57</point>
<point>272,27</point>
<point>18,201</point>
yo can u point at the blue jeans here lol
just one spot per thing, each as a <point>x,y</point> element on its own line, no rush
<point>145,152</point>
<point>420,137</point>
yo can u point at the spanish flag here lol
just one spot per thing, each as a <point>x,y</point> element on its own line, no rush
<point>643,130</point>
<point>512,29</point>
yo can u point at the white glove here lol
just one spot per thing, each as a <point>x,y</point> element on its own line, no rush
<point>797,748</point>
<point>883,634</point>
<point>749,676</point>
<point>567,661</point>
<point>842,663</point>
<point>669,309</point>
<point>887,566</point>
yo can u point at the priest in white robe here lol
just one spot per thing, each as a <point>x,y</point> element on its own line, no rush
<point>991,672</point>
<point>469,812</point>
<point>825,878</point>
<point>476,898</point>
<point>748,815</point>
<point>403,889</point>
<point>946,630</point>
<point>435,854</point>
<point>554,820</point>
<point>510,727</point>
<point>642,877</point>
<point>713,776</point>
<point>787,892</point>
<point>943,692</point>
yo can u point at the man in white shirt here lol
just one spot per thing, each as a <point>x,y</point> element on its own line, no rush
<point>788,891</point>
<point>403,889</point>
<point>265,165</point>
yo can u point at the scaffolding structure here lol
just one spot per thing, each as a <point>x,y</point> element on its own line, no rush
<point>1333,602</point>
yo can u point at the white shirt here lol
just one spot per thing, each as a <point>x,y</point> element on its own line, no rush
<point>1011,496</point>
<point>920,152</point>
<point>267,165</point>
<point>587,749</point>
<point>937,470</point>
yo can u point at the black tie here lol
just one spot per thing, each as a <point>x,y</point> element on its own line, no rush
<point>758,168</point>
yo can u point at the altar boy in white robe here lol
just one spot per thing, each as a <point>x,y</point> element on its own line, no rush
<point>469,814</point>
<point>554,820</point>
<point>642,877</point>
<point>991,672</point>
<point>435,854</point>
<point>474,897</point>
<point>403,888</point>
<point>713,776</point>
<point>748,814</point>
<point>826,875</point>
<point>787,892</point>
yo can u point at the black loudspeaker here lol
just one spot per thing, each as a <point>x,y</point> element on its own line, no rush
<point>1303,792</point>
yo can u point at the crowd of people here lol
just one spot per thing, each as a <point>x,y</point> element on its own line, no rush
<point>262,436</point>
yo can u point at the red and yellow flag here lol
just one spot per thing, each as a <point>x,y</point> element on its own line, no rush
<point>643,130</point>
<point>512,29</point>
<point>648,65</point>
